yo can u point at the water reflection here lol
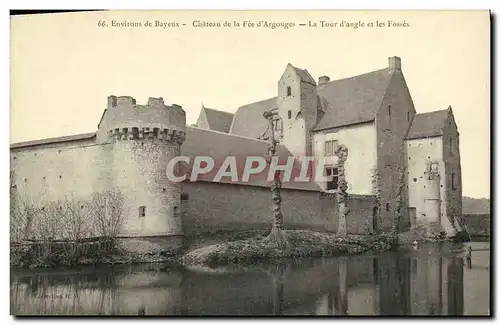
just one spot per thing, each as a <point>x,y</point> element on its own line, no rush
<point>429,281</point>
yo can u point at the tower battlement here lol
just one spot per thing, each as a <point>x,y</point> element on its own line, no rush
<point>147,133</point>
<point>126,120</point>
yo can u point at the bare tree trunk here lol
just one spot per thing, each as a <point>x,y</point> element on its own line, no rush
<point>399,205</point>
<point>342,152</point>
<point>277,236</point>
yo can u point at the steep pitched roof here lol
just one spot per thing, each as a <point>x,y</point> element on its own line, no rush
<point>217,120</point>
<point>352,100</point>
<point>218,145</point>
<point>249,121</point>
<point>426,125</point>
<point>304,75</point>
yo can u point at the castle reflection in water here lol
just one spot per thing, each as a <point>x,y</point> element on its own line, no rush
<point>424,282</point>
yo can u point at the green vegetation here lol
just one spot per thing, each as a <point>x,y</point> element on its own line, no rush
<point>302,243</point>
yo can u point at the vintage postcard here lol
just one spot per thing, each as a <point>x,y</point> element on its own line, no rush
<point>179,163</point>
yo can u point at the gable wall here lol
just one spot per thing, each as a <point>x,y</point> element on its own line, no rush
<point>391,131</point>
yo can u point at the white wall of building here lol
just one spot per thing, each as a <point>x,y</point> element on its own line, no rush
<point>360,140</point>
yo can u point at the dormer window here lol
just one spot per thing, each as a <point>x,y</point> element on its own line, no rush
<point>288,91</point>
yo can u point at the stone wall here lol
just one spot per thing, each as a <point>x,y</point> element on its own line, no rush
<point>212,207</point>
<point>392,121</point>
<point>43,174</point>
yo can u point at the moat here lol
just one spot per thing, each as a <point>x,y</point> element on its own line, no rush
<point>433,279</point>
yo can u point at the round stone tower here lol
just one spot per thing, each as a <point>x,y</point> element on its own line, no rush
<point>144,138</point>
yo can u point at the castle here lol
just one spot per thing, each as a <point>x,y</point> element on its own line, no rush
<point>372,114</point>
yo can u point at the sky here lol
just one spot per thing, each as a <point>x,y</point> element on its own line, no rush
<point>64,66</point>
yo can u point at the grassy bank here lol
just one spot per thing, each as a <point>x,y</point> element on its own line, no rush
<point>303,243</point>
<point>68,254</point>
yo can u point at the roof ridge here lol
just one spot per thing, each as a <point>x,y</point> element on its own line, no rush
<point>228,134</point>
<point>351,77</point>
<point>259,101</point>
<point>217,110</point>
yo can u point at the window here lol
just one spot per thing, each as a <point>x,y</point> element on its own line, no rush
<point>387,207</point>
<point>142,211</point>
<point>176,212</point>
<point>389,110</point>
<point>288,91</point>
<point>330,147</point>
<point>408,116</point>
<point>289,114</point>
<point>453,181</point>
<point>184,197</point>
<point>332,178</point>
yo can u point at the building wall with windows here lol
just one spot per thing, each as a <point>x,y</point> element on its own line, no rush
<point>419,152</point>
<point>360,140</point>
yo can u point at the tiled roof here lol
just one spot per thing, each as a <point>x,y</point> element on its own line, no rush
<point>249,121</point>
<point>352,100</point>
<point>218,145</point>
<point>304,75</point>
<point>68,138</point>
<point>344,102</point>
<point>426,125</point>
<point>218,120</point>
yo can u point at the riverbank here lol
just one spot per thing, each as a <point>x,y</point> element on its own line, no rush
<point>302,243</point>
<point>221,249</point>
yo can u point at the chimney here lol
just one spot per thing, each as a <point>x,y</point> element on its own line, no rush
<point>323,80</point>
<point>394,63</point>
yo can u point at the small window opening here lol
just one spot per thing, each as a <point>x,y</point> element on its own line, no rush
<point>288,91</point>
<point>142,211</point>
<point>332,178</point>
<point>289,114</point>
<point>453,181</point>
<point>387,207</point>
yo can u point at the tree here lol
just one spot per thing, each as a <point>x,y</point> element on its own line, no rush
<point>377,196</point>
<point>107,210</point>
<point>277,236</point>
<point>396,222</point>
<point>341,152</point>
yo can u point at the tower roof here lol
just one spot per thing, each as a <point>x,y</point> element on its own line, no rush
<point>304,75</point>
<point>427,125</point>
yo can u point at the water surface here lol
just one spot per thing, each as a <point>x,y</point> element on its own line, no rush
<point>431,280</point>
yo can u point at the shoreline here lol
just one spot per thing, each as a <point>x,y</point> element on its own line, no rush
<point>246,248</point>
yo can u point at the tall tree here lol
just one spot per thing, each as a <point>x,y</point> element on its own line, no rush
<point>341,152</point>
<point>277,236</point>
<point>396,221</point>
